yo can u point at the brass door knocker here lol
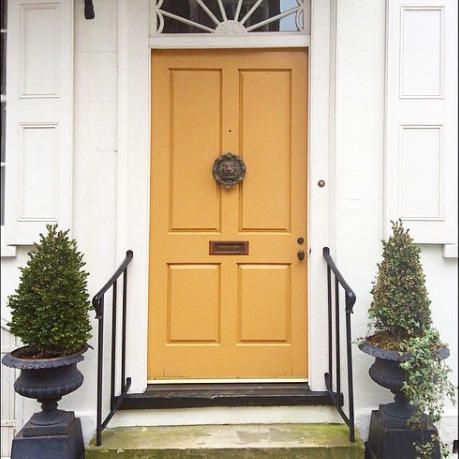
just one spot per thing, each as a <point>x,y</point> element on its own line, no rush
<point>228,170</point>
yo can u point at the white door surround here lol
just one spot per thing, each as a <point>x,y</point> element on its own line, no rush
<point>134,48</point>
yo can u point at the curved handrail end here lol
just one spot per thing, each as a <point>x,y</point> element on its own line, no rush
<point>98,296</point>
<point>351,298</point>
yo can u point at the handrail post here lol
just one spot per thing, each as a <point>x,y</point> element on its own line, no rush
<point>98,303</point>
<point>337,343</point>
<point>123,336</point>
<point>350,382</point>
<point>330,326</point>
<point>113,356</point>
<point>350,299</point>
<point>100,352</point>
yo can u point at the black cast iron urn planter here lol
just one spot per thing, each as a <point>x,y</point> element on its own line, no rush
<point>390,436</point>
<point>51,433</point>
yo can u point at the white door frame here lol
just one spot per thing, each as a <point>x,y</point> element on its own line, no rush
<point>133,190</point>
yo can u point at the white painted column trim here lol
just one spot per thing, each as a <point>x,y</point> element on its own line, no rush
<point>321,200</point>
<point>133,202</point>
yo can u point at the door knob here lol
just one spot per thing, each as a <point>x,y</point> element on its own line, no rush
<point>300,255</point>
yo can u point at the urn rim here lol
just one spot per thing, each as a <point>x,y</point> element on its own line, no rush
<point>395,356</point>
<point>24,363</point>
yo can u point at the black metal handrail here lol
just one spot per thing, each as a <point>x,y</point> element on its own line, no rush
<point>350,299</point>
<point>98,303</point>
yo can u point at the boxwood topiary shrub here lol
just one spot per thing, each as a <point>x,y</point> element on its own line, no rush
<point>401,307</point>
<point>50,306</point>
<point>401,320</point>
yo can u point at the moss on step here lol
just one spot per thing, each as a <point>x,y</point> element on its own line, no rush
<point>247,441</point>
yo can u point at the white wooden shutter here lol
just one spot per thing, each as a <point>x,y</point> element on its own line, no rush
<point>39,117</point>
<point>421,118</point>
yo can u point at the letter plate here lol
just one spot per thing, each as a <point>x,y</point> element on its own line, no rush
<point>228,247</point>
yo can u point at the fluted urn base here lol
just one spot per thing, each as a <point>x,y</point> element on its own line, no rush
<point>390,435</point>
<point>50,433</point>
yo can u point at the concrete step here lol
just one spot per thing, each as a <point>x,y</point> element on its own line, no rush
<point>242,441</point>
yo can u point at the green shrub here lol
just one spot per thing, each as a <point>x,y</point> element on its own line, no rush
<point>401,320</point>
<point>400,306</point>
<point>50,306</point>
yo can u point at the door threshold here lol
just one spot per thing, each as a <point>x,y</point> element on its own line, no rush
<point>227,381</point>
<point>225,394</point>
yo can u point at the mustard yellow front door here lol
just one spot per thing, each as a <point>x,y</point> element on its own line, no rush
<point>228,315</point>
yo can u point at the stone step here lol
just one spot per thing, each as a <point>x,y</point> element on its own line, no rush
<point>241,441</point>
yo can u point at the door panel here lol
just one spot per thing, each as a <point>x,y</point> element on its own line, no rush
<point>197,321</point>
<point>228,316</point>
<point>265,97</point>
<point>264,314</point>
<point>194,208</point>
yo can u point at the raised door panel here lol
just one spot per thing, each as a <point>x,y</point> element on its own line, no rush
<point>265,139</point>
<point>264,304</point>
<point>195,137</point>
<point>193,304</point>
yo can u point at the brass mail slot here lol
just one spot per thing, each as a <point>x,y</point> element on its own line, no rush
<point>228,247</point>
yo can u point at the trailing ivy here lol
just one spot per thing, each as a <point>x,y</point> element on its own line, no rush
<point>401,320</point>
<point>50,306</point>
<point>426,385</point>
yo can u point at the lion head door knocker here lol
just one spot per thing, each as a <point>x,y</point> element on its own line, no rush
<point>228,170</point>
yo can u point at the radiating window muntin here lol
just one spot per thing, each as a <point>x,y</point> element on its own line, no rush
<point>227,17</point>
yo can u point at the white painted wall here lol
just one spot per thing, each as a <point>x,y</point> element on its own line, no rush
<point>357,187</point>
<point>11,402</point>
<point>359,224</point>
<point>94,178</point>
<point>95,150</point>
<point>358,169</point>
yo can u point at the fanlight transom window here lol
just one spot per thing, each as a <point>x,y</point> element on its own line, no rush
<point>228,17</point>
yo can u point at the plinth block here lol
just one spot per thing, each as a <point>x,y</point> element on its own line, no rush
<point>388,439</point>
<point>65,442</point>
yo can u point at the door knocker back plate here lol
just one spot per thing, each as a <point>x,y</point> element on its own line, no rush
<point>228,170</point>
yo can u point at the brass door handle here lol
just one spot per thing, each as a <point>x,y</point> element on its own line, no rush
<point>300,254</point>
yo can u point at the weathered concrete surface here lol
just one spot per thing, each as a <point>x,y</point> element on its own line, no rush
<point>246,441</point>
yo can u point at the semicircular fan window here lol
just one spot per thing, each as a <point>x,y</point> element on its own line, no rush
<point>227,17</point>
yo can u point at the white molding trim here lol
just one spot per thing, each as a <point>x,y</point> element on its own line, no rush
<point>320,167</point>
<point>450,251</point>
<point>134,172</point>
<point>440,217</point>
<point>191,41</point>
<point>332,114</point>
<point>4,325</point>
<point>6,251</point>
<point>133,176</point>
<point>441,92</point>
